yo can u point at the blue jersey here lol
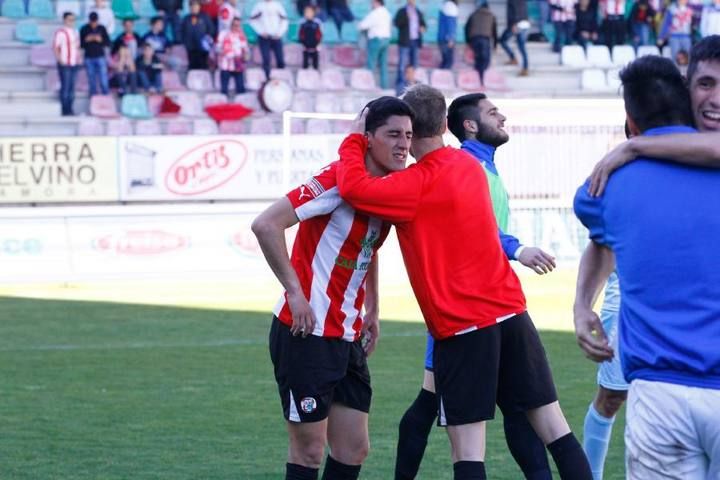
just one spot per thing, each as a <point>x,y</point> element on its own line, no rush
<point>662,220</point>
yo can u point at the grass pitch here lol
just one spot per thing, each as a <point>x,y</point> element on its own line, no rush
<point>96,390</point>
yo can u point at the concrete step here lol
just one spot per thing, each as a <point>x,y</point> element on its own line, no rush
<point>39,126</point>
<point>19,110</point>
<point>22,79</point>
<point>14,54</point>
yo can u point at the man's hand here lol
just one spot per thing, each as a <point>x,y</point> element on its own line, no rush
<point>358,125</point>
<point>537,260</point>
<point>616,158</point>
<point>370,332</point>
<point>302,315</point>
<point>594,345</point>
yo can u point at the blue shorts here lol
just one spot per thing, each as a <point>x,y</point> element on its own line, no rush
<point>610,374</point>
<point>429,352</point>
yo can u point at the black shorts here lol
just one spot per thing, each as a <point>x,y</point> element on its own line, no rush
<point>314,372</point>
<point>503,364</point>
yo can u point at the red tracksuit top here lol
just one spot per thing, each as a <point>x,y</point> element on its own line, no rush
<point>448,235</point>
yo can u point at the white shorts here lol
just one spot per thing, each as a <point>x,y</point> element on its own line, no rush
<point>672,432</point>
<point>610,374</point>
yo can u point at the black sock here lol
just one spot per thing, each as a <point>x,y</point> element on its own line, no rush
<point>414,429</point>
<point>335,470</point>
<point>526,447</point>
<point>294,471</point>
<point>570,459</point>
<point>466,470</point>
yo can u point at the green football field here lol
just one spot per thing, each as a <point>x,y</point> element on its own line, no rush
<point>98,390</point>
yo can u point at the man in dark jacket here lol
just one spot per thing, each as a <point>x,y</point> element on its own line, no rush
<point>168,10</point>
<point>310,37</point>
<point>94,40</point>
<point>480,31</point>
<point>127,38</point>
<point>197,32</point>
<point>517,25</point>
<point>411,25</point>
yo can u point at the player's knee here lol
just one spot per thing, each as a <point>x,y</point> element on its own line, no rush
<point>352,451</point>
<point>610,402</point>
<point>308,453</point>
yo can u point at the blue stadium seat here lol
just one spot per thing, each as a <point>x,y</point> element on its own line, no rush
<point>135,106</point>
<point>146,9</point>
<point>27,31</point>
<point>123,9</point>
<point>13,9</point>
<point>41,9</point>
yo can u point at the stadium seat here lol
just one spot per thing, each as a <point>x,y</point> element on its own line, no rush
<point>248,99</point>
<point>573,56</point>
<point>333,79</point>
<point>146,9</point>
<point>41,9</point>
<point>123,9</point>
<point>442,79</point>
<point>254,78</point>
<point>42,56</point>
<point>428,57</point>
<point>214,99</point>
<point>117,127</point>
<point>468,56</point>
<point>293,32</point>
<point>430,34</point>
<point>667,52</point>
<point>27,31</point>
<point>205,126</point>
<point>90,127</point>
<point>613,79</point>
<point>647,50</point>
<point>293,54</point>
<point>303,103</point>
<point>148,127</point>
<point>62,6</point>
<point>154,103</point>
<point>262,126</point>
<point>308,79</point>
<point>199,80</point>
<point>178,126</point>
<point>347,56</point>
<point>171,80</point>
<point>622,55</point>
<point>318,126</point>
<point>179,55</point>
<point>342,127</point>
<point>393,55</point>
<point>135,106</point>
<point>469,80</point>
<point>593,79</point>
<point>494,80</point>
<point>283,74</point>
<point>599,56</point>
<point>232,127</point>
<point>326,103</point>
<point>189,102</point>
<point>362,79</point>
<point>103,106</point>
<point>330,34</point>
<point>251,35</point>
<point>360,8</point>
<point>13,9</point>
<point>297,126</point>
<point>81,81</point>
<point>422,75</point>
<point>350,104</point>
<point>142,26</point>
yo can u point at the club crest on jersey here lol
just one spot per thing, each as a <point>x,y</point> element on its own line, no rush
<point>308,405</point>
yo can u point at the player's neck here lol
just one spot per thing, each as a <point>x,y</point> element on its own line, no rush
<point>423,146</point>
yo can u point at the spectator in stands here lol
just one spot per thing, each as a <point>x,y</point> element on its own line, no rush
<point>93,40</point>
<point>169,11</point>
<point>149,69</point>
<point>378,26</point>
<point>227,14</point>
<point>128,38</point>
<point>447,31</point>
<point>233,51</point>
<point>480,32</point>
<point>563,18</point>
<point>106,17</point>
<point>408,80</point>
<point>586,22</point>
<point>411,25</point>
<point>66,46</point>
<point>543,18</point>
<point>613,25</point>
<point>310,36</point>
<point>339,11</point>
<point>517,25</point>
<point>677,27</point>
<point>197,32</point>
<point>211,8</point>
<point>125,75</point>
<point>710,23</point>
<point>156,37</point>
<point>641,20</point>
<point>269,20</point>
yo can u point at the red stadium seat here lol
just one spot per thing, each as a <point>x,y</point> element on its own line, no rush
<point>119,127</point>
<point>362,79</point>
<point>469,80</point>
<point>442,79</point>
<point>428,57</point>
<point>347,56</point>
<point>148,127</point>
<point>103,106</point>
<point>199,81</point>
<point>309,79</point>
<point>393,55</point>
<point>333,79</point>
<point>90,127</point>
<point>232,127</point>
<point>262,126</point>
<point>495,80</point>
<point>179,127</point>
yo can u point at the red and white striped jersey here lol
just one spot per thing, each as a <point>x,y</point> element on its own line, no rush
<point>564,11</point>
<point>67,40</point>
<point>612,8</point>
<point>226,13</point>
<point>331,255</point>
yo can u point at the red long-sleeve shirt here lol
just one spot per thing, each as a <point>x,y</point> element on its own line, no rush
<point>448,236</point>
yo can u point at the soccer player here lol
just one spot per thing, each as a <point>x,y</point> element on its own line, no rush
<point>598,262</point>
<point>487,350</point>
<point>478,125</point>
<point>320,365</point>
<point>658,219</point>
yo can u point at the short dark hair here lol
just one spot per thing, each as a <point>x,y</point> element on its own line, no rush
<point>461,109</point>
<point>430,109</point>
<point>68,14</point>
<point>655,93</point>
<point>93,17</point>
<point>706,50</point>
<point>380,109</point>
<point>156,19</point>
